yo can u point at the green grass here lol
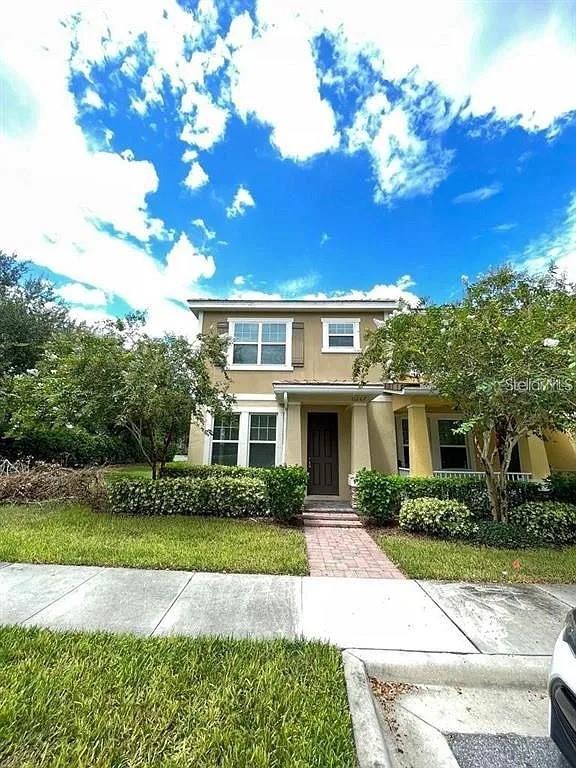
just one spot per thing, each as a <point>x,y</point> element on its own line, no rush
<point>102,701</point>
<point>75,535</point>
<point>423,558</point>
<point>118,471</point>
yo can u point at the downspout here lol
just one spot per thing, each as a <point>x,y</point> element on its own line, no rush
<point>285,427</point>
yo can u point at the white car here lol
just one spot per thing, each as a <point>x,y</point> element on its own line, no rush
<point>562,691</point>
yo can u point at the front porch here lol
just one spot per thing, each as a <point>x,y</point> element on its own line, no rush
<point>428,446</point>
<point>334,429</point>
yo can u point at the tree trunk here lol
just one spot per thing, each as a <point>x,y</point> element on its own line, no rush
<point>154,470</point>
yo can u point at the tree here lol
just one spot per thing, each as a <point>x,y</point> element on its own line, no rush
<point>166,382</point>
<point>30,312</point>
<point>116,379</point>
<point>504,355</point>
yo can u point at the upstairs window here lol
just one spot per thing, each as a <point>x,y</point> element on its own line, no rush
<point>260,343</point>
<point>340,335</point>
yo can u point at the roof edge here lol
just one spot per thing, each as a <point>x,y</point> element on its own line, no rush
<point>303,305</point>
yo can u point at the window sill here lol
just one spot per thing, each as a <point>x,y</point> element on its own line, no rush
<point>341,350</point>
<point>238,367</point>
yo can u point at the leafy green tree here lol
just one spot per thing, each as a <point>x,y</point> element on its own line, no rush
<point>115,378</point>
<point>30,312</point>
<point>504,355</point>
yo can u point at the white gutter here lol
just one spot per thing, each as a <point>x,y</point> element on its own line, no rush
<point>328,389</point>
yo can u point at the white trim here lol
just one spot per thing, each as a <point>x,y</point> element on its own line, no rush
<point>256,396</point>
<point>212,305</point>
<point>244,433</point>
<point>259,321</point>
<point>354,321</point>
<point>200,317</point>
<point>328,389</point>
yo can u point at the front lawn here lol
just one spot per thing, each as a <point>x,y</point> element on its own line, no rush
<point>75,535</point>
<point>85,700</point>
<point>420,557</point>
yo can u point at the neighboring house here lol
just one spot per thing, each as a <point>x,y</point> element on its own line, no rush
<point>290,367</point>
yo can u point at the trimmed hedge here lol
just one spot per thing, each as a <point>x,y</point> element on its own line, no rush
<point>286,486</point>
<point>436,517</point>
<point>379,497</point>
<point>489,533</point>
<point>548,522</point>
<point>220,497</point>
<point>562,487</point>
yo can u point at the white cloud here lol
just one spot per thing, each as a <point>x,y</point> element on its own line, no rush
<point>92,99</point>
<point>557,247</point>
<point>389,292</point>
<point>90,316</point>
<point>507,226</point>
<point>324,238</point>
<point>242,200</point>
<point>239,280</point>
<point>477,195</point>
<point>274,78</point>
<point>405,164</point>
<point>66,206</point>
<point>185,266</point>
<point>461,58</point>
<point>209,234</point>
<point>382,291</point>
<point>298,285</point>
<point>196,177</point>
<point>76,293</point>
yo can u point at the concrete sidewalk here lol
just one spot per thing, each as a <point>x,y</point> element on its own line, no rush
<point>349,612</point>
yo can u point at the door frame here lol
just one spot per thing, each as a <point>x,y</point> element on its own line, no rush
<point>324,412</point>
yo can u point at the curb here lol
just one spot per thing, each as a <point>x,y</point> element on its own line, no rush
<point>371,750</point>
<point>483,670</point>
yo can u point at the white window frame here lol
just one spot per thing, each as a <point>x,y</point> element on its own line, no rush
<point>286,366</point>
<point>355,321</point>
<point>212,441</point>
<point>244,433</point>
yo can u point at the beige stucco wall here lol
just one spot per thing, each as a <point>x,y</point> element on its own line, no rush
<point>561,451</point>
<point>318,365</point>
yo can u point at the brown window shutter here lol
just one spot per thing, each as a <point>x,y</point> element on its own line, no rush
<point>222,328</point>
<point>298,345</point>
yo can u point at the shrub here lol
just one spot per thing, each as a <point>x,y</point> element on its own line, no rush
<point>380,496</point>
<point>220,497</point>
<point>74,447</point>
<point>286,486</point>
<point>52,482</point>
<point>562,487</point>
<point>548,522</point>
<point>377,496</point>
<point>489,533</point>
<point>436,517</point>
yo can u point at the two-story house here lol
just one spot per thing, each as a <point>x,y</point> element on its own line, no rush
<point>290,365</point>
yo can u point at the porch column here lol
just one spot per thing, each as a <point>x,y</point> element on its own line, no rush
<point>383,435</point>
<point>293,418</point>
<point>359,438</point>
<point>419,441</point>
<point>533,457</point>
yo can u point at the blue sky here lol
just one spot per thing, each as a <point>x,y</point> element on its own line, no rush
<point>156,151</point>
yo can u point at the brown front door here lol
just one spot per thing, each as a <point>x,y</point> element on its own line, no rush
<point>323,454</point>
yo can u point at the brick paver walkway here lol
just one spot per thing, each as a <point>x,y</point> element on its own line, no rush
<point>346,552</point>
